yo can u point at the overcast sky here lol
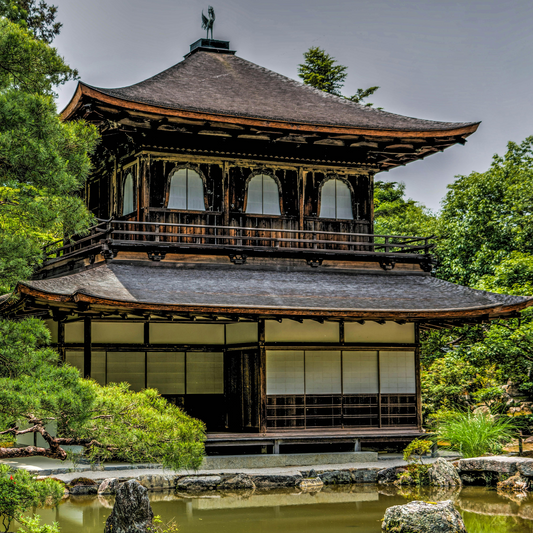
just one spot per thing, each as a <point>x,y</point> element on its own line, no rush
<point>456,61</point>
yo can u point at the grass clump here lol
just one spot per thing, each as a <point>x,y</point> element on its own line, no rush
<point>475,434</point>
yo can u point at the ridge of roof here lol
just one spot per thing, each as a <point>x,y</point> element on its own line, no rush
<point>252,91</point>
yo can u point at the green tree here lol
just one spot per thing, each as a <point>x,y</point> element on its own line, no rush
<point>43,161</point>
<point>320,70</point>
<point>396,215</point>
<point>109,422</point>
<point>37,17</point>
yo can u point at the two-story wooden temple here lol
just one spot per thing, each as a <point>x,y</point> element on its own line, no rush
<point>234,265</point>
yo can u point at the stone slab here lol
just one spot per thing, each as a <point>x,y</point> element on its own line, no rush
<point>222,462</point>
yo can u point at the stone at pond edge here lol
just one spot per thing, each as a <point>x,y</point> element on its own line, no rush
<point>109,486</point>
<point>198,483</point>
<point>336,477</point>
<point>157,482</point>
<point>443,474</point>
<point>311,484</point>
<point>276,481</point>
<point>515,483</point>
<point>83,490</point>
<point>132,512</point>
<point>389,475</point>
<point>423,517</point>
<point>237,482</point>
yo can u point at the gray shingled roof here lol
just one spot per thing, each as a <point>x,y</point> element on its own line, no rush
<point>253,288</point>
<point>229,85</point>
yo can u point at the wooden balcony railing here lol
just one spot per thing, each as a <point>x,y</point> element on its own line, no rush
<point>188,238</point>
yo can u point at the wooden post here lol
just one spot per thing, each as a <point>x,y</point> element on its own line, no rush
<point>262,398</point>
<point>87,348</point>
<point>61,339</point>
<point>225,193</point>
<point>417,378</point>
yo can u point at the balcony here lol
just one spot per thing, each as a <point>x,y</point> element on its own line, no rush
<point>157,239</point>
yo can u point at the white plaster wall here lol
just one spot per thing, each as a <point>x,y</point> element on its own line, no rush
<point>186,333</point>
<point>241,332</point>
<point>308,331</point>
<point>373,332</point>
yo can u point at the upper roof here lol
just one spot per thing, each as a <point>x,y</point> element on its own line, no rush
<point>215,84</point>
<point>248,291</point>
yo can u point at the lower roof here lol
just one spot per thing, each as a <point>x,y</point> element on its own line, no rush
<point>247,291</point>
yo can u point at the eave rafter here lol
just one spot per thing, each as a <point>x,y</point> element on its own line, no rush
<point>385,148</point>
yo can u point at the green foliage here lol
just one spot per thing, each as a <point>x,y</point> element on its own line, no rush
<point>39,18</point>
<point>475,434</point>
<point>414,451</point>
<point>19,491</point>
<point>159,527</point>
<point>321,71</point>
<point>395,215</point>
<point>43,162</point>
<point>487,219</point>
<point>33,525</point>
<point>141,427</point>
<point>111,422</point>
<point>32,384</point>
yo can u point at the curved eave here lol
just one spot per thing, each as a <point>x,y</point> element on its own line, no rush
<point>84,90</point>
<point>466,313</point>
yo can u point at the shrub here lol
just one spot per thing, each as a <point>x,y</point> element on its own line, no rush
<point>33,525</point>
<point>475,434</point>
<point>19,491</point>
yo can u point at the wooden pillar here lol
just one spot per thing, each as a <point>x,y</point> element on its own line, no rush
<point>225,193</point>
<point>61,339</point>
<point>371,200</point>
<point>417,378</point>
<point>262,397</point>
<point>87,348</point>
<point>301,198</point>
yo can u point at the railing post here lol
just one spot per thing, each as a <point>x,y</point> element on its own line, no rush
<point>315,245</point>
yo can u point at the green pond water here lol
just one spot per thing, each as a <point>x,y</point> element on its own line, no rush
<point>349,509</point>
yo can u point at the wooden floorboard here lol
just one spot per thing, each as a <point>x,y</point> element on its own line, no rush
<point>314,435</point>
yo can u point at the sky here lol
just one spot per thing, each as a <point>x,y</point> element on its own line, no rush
<point>456,61</point>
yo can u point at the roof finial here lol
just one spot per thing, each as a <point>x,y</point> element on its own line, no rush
<point>208,23</point>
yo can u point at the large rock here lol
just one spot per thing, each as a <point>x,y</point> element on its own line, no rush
<point>132,512</point>
<point>198,483</point>
<point>443,474</point>
<point>515,483</point>
<point>237,482</point>
<point>491,470</point>
<point>109,486</point>
<point>423,517</point>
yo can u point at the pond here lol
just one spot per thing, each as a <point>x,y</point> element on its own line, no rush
<point>346,508</point>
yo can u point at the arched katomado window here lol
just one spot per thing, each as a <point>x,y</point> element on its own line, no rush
<point>127,195</point>
<point>186,190</point>
<point>263,196</point>
<point>336,200</point>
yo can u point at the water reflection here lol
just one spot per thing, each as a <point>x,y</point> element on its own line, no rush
<point>357,508</point>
